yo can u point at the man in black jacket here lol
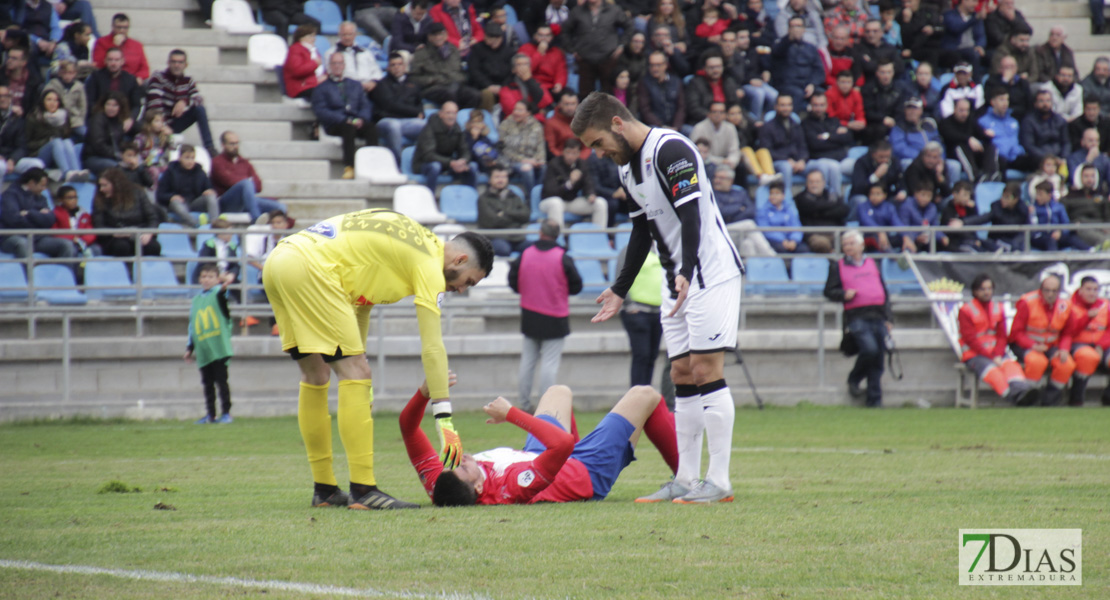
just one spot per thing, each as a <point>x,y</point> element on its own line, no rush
<point>113,78</point>
<point>596,32</point>
<point>929,167</point>
<point>24,82</point>
<point>397,106</point>
<point>876,167</point>
<point>819,208</point>
<point>22,206</point>
<point>965,140</point>
<point>881,101</point>
<point>699,92</point>
<point>442,148</point>
<point>828,142</point>
<point>872,50</point>
<point>500,208</point>
<point>490,65</point>
<point>568,187</point>
<point>13,136</point>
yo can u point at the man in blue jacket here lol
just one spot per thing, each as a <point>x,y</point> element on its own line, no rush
<point>776,213</point>
<point>797,65</point>
<point>22,206</point>
<point>1004,131</point>
<point>912,132</point>
<point>341,107</point>
<point>964,33</point>
<point>1044,132</point>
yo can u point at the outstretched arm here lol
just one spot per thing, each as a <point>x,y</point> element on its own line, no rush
<point>559,443</point>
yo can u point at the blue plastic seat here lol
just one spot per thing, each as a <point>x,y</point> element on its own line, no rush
<point>327,13</point>
<point>593,279</point>
<point>322,45</point>
<point>57,276</point>
<point>535,197</point>
<point>256,295</point>
<point>406,167</point>
<point>159,281</point>
<point>986,193</point>
<point>464,116</point>
<point>766,275</point>
<point>587,241</point>
<point>763,192</point>
<point>175,244</point>
<point>13,282</point>
<point>809,274</point>
<point>86,191</point>
<point>898,280</point>
<point>623,235</point>
<point>459,202</point>
<point>857,152</point>
<point>111,274</point>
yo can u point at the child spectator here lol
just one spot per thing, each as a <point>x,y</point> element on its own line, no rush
<point>482,150</point>
<point>131,166</point>
<point>892,31</point>
<point>1048,211</point>
<point>48,137</point>
<point>68,215</point>
<point>703,150</point>
<point>258,246</point>
<point>210,341</point>
<point>712,25</point>
<point>777,214</point>
<point>224,249</point>
<point>846,104</point>
<point>74,100</point>
<point>185,187</point>
<point>154,141</point>
<point>1010,210</point>
<point>1049,171</point>
<point>961,210</point>
<point>880,212</point>
<point>921,210</point>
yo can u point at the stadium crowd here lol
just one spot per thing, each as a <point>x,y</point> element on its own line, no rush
<point>880,114</point>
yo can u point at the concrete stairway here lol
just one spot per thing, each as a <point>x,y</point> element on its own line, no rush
<point>246,99</point>
<point>1075,18</point>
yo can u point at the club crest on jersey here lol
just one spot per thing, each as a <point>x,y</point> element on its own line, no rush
<point>323,228</point>
<point>684,184</point>
<point>525,478</point>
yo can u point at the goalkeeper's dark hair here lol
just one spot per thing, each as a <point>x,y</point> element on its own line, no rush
<point>452,491</point>
<point>481,250</point>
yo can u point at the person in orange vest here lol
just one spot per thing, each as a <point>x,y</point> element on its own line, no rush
<point>1085,336</point>
<point>983,345</point>
<point>1041,316</point>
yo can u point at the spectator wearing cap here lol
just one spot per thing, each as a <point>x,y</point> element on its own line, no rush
<point>1067,97</point>
<point>342,110</point>
<point>437,69</point>
<point>460,21</point>
<point>360,62</point>
<point>596,33</point>
<point>490,65</point>
<point>23,206</point>
<point>912,133</point>
<point>397,106</point>
<point>134,55</point>
<point>961,86</point>
<point>409,30</point>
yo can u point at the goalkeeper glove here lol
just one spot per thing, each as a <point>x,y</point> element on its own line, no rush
<point>449,439</point>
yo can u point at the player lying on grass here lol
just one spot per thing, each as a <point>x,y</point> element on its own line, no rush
<point>554,465</point>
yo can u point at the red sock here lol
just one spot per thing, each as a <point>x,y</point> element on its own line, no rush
<point>660,430</point>
<point>574,427</point>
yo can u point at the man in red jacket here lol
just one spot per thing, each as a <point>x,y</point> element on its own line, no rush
<point>1086,337</point>
<point>549,63</point>
<point>463,29</point>
<point>237,183</point>
<point>554,465</point>
<point>134,55</point>
<point>983,345</point>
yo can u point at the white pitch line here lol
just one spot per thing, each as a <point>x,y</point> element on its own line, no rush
<point>866,451</point>
<point>285,586</point>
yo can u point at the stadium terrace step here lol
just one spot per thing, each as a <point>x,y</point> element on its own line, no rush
<point>310,211</point>
<point>276,131</point>
<point>156,55</point>
<point>232,74</point>
<point>269,111</point>
<point>166,36</point>
<point>296,188</point>
<point>254,149</point>
<point>113,6</point>
<point>219,93</point>
<point>269,169</point>
<point>142,19</point>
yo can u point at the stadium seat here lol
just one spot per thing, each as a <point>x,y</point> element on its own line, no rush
<point>593,280</point>
<point>585,241</point>
<point>766,276</point>
<point>86,192</point>
<point>158,280</point>
<point>446,231</point>
<point>510,15</point>
<point>322,46</point>
<point>534,200</point>
<point>267,50</point>
<point>986,193</point>
<point>623,235</point>
<point>377,164</point>
<point>175,245</point>
<point>417,202</point>
<point>61,277</point>
<point>532,238</point>
<point>809,274</point>
<point>857,152</point>
<point>498,275</point>
<point>13,282</point>
<point>406,167</point>
<point>234,16</point>
<point>899,281</point>
<point>256,295</point>
<point>327,13</point>
<point>100,274</point>
<point>464,116</point>
<point>459,203</point>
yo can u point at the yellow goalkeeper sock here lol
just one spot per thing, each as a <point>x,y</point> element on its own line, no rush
<point>315,423</point>
<point>356,428</point>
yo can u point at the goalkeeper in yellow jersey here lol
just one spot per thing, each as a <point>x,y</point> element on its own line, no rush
<point>321,284</point>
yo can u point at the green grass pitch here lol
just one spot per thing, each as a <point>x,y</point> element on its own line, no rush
<point>831,503</point>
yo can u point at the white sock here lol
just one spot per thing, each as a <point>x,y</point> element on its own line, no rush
<point>689,423</point>
<point>719,414</point>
